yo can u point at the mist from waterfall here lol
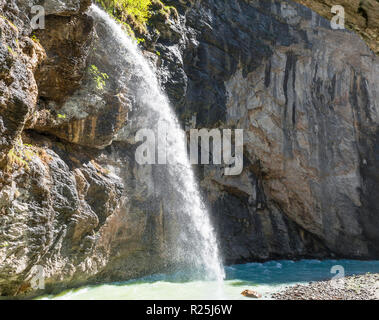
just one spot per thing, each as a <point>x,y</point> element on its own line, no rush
<point>195,246</point>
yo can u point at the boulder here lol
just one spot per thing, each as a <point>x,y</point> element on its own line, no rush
<point>251,294</point>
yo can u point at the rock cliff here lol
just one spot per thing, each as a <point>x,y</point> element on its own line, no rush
<point>74,201</point>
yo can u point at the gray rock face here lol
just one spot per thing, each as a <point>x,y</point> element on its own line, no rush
<point>19,57</point>
<point>83,96</point>
<point>307,98</point>
<point>74,201</point>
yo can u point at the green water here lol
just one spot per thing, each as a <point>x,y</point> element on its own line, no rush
<point>266,278</point>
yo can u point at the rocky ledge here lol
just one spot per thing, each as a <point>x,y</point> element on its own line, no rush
<point>362,287</point>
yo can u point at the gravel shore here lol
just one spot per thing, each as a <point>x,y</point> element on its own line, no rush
<point>362,287</point>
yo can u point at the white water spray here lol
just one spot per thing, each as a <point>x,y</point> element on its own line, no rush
<point>196,245</point>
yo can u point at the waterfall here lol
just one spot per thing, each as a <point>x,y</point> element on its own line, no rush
<point>196,245</point>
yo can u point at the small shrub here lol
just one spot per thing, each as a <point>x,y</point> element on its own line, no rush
<point>134,12</point>
<point>10,50</point>
<point>137,13</point>
<point>34,38</point>
<point>4,244</point>
<point>98,77</point>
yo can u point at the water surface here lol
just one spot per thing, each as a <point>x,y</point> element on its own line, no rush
<point>266,278</point>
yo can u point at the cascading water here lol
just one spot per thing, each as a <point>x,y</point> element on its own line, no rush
<point>195,245</point>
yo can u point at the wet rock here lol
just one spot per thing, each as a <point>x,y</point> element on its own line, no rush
<point>251,294</point>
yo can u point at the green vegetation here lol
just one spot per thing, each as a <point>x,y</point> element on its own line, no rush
<point>135,15</point>
<point>139,9</point>
<point>34,38</point>
<point>98,77</point>
<point>4,244</point>
<point>10,51</point>
<point>19,156</point>
<point>162,11</point>
<point>140,40</point>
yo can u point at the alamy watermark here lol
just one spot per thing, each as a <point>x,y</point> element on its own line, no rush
<point>338,281</point>
<point>38,19</point>
<point>338,21</point>
<point>214,143</point>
